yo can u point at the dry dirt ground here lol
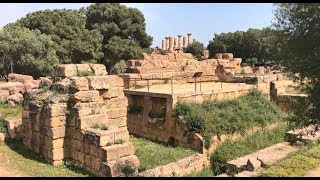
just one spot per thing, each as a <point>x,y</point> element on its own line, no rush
<point>6,170</point>
<point>313,173</point>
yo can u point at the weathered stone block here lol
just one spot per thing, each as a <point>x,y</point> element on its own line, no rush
<point>86,96</point>
<point>84,109</point>
<point>115,168</point>
<point>116,112</point>
<point>55,121</point>
<point>59,109</point>
<point>79,83</point>
<point>56,154</point>
<point>98,82</point>
<point>93,150</point>
<point>117,151</point>
<point>112,93</point>
<point>65,70</point>
<point>83,68</point>
<point>116,102</point>
<point>99,69</point>
<point>54,133</point>
<point>84,122</point>
<point>119,122</point>
<point>53,143</point>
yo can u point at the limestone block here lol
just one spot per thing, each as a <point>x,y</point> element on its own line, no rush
<point>112,93</point>
<point>119,122</point>
<point>64,84</point>
<point>99,137</point>
<point>13,87</point>
<point>116,102</point>
<point>98,82</point>
<point>117,151</point>
<point>218,56</point>
<point>55,121</point>
<point>247,70</point>
<point>95,164</point>
<point>12,77</point>
<point>227,55</point>
<point>15,98</point>
<point>83,68</point>
<point>116,112</point>
<point>79,83</point>
<point>55,154</point>
<point>115,168</point>
<point>58,109</point>
<point>114,81</point>
<point>84,109</point>
<point>4,95</point>
<point>93,150</point>
<point>45,81</point>
<point>53,143</point>
<point>86,96</point>
<point>99,69</point>
<point>65,70</point>
<point>84,122</point>
<point>121,134</point>
<point>54,133</point>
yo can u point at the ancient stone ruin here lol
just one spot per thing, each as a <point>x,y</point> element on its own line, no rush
<point>81,118</point>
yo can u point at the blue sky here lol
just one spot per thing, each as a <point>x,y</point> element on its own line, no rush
<point>172,19</point>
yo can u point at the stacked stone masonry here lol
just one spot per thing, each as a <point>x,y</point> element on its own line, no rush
<point>67,130</point>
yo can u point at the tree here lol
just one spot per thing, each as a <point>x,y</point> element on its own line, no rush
<point>74,43</point>
<point>196,49</point>
<point>120,67</point>
<point>253,43</point>
<point>123,30</point>
<point>26,52</point>
<point>300,48</point>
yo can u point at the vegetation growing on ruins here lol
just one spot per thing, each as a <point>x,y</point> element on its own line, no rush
<point>19,157</point>
<point>296,164</point>
<point>233,149</point>
<point>84,73</point>
<point>229,116</point>
<point>135,109</point>
<point>7,111</point>
<point>100,126</point>
<point>152,154</point>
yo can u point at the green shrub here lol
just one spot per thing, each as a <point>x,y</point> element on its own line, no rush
<point>230,116</point>
<point>99,126</point>
<point>153,114</point>
<point>120,67</point>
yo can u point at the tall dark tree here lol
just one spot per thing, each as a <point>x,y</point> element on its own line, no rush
<point>74,43</point>
<point>26,51</point>
<point>300,48</point>
<point>253,43</point>
<point>123,30</point>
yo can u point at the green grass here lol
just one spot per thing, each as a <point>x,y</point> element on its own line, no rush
<point>230,150</point>
<point>152,154</point>
<point>27,162</point>
<point>296,164</point>
<point>100,126</point>
<point>7,111</point>
<point>230,116</point>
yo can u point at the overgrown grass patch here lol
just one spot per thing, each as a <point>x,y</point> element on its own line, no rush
<point>296,164</point>
<point>152,154</point>
<point>29,163</point>
<point>229,116</point>
<point>7,111</point>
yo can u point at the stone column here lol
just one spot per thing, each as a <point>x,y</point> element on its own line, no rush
<point>163,45</point>
<point>175,43</point>
<point>179,42</point>
<point>167,43</point>
<point>184,42</point>
<point>189,38</point>
<point>170,43</point>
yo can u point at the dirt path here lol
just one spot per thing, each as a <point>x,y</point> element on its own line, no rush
<point>313,173</point>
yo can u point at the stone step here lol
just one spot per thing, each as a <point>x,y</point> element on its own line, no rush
<point>268,156</point>
<point>116,151</point>
<point>113,135</point>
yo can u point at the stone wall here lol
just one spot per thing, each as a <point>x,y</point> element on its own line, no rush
<point>285,100</point>
<point>81,118</point>
<point>182,66</point>
<point>165,127</point>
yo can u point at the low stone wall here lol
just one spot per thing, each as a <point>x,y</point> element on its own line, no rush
<point>288,101</point>
<point>182,167</point>
<point>168,128</point>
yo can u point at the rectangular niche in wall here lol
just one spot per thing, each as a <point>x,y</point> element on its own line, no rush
<point>157,112</point>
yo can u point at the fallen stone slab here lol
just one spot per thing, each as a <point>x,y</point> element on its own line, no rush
<point>268,156</point>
